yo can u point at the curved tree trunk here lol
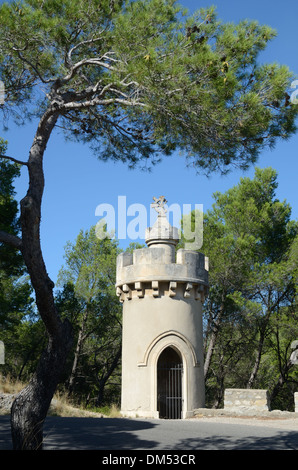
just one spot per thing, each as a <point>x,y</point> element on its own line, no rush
<point>31,404</point>
<point>213,339</point>
<point>257,362</point>
<point>256,366</point>
<point>80,341</point>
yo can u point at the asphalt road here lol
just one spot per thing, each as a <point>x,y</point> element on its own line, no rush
<point>179,435</point>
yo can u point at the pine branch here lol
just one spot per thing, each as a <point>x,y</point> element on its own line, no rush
<point>12,159</point>
<point>10,239</point>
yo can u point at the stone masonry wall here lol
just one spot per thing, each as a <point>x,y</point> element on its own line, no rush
<point>246,400</point>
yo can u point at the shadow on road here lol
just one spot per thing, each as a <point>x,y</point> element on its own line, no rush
<point>136,434</point>
<point>5,437</point>
<point>283,440</point>
<point>96,433</point>
<point>86,434</point>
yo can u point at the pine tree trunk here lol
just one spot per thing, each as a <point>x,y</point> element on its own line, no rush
<point>32,403</point>
<point>77,353</point>
<point>255,369</point>
<point>256,365</point>
<point>213,339</point>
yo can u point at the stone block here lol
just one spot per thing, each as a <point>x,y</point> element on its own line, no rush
<point>249,400</point>
<point>296,401</point>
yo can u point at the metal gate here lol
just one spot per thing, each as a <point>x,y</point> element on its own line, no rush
<point>169,384</point>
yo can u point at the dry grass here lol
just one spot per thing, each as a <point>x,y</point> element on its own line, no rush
<point>60,406</point>
<point>114,412</point>
<point>10,386</point>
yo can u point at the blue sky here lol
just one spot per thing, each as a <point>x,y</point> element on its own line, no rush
<point>76,182</point>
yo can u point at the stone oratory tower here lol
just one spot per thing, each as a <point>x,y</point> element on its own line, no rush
<point>162,353</point>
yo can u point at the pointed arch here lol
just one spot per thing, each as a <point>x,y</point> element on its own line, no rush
<point>176,340</point>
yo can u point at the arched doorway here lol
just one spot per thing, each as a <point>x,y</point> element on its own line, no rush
<point>169,384</point>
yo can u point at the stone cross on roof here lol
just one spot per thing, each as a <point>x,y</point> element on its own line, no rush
<point>159,204</point>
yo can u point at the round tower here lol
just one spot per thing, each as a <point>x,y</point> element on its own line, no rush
<point>162,341</point>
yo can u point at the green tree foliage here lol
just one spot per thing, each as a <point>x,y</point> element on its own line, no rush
<point>15,290</point>
<point>89,300</point>
<point>142,78</point>
<point>10,259</point>
<point>251,243</point>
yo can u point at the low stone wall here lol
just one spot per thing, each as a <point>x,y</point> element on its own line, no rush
<point>246,400</point>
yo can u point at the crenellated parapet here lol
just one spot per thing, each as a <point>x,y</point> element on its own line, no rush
<point>152,271</point>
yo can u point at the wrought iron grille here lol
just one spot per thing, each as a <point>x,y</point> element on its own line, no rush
<point>169,380</point>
